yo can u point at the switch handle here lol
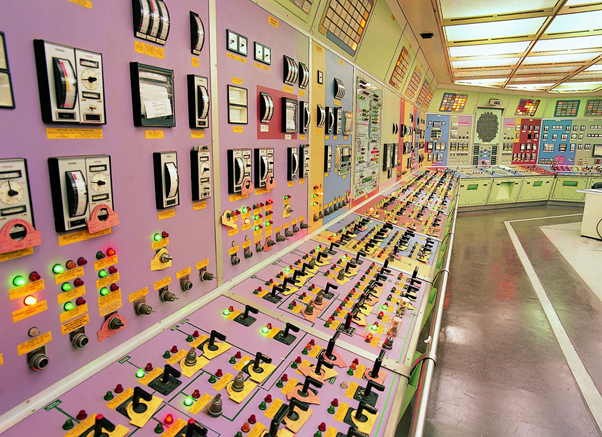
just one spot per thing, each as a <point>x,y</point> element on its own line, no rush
<point>296,403</point>
<point>259,358</point>
<point>329,286</point>
<point>102,423</point>
<point>331,343</point>
<point>322,362</point>
<point>249,309</point>
<point>377,364</point>
<point>276,288</point>
<point>372,385</point>
<point>168,370</point>
<point>139,393</point>
<point>363,406</point>
<point>311,381</point>
<point>289,327</point>
<point>192,430</point>
<point>276,421</point>
<point>214,335</point>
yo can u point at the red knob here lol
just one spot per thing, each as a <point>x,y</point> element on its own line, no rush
<point>114,287</point>
<point>164,234</point>
<point>80,301</point>
<point>81,261</point>
<point>81,415</point>
<point>148,367</point>
<point>174,349</point>
<point>118,388</point>
<point>78,282</point>
<point>112,270</point>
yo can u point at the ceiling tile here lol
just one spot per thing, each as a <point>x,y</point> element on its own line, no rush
<point>582,21</point>
<point>576,57</point>
<point>478,8</point>
<point>496,29</point>
<point>489,49</point>
<point>486,62</point>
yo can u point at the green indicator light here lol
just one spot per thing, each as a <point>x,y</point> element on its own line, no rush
<point>66,286</point>
<point>102,274</point>
<point>245,209</point>
<point>104,291</point>
<point>18,281</point>
<point>69,306</point>
<point>157,237</point>
<point>188,401</point>
<point>374,327</point>
<point>257,227</point>
<point>265,330</point>
<point>140,373</point>
<point>57,268</point>
<point>226,312</point>
<point>287,269</point>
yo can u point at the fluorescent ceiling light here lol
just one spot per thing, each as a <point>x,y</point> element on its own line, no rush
<point>556,59</point>
<point>494,29</point>
<point>469,73</point>
<point>482,82</point>
<point>580,2</point>
<point>580,85</point>
<point>595,67</point>
<point>531,86</point>
<point>534,78</point>
<point>561,44</point>
<point>478,8</point>
<point>494,62</point>
<point>489,49</point>
<point>540,70</point>
<point>582,21</point>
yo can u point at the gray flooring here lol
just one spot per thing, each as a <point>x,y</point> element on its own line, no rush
<point>501,371</point>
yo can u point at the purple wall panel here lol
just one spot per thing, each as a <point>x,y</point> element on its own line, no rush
<point>107,28</point>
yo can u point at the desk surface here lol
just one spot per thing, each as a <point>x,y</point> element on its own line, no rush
<point>590,191</point>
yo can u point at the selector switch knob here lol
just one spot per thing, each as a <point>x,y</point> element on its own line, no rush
<point>295,229</point>
<point>115,323</point>
<point>288,233</point>
<point>80,340</point>
<point>167,296</point>
<point>258,248</point>
<point>234,260</point>
<point>38,362</point>
<point>248,253</point>
<point>206,276</point>
<point>143,309</point>
<point>271,242</point>
<point>165,258</point>
<point>186,285</point>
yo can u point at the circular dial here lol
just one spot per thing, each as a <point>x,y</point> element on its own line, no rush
<point>11,192</point>
<point>99,182</point>
<point>90,79</point>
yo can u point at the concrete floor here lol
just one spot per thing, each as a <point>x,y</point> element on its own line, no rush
<point>500,369</point>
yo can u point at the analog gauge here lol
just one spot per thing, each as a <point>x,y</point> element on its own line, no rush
<point>99,182</point>
<point>90,79</point>
<point>11,192</point>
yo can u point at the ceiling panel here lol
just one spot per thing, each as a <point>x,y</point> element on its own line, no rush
<point>560,59</point>
<point>485,62</point>
<point>494,29</point>
<point>562,44</point>
<point>489,49</point>
<point>478,8</point>
<point>583,21</point>
<point>471,73</point>
<point>544,70</point>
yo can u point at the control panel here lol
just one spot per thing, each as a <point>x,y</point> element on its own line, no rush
<point>239,171</point>
<point>200,170</point>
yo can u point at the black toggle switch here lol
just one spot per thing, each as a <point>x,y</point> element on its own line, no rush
<point>249,309</point>
<point>276,421</point>
<point>327,293</point>
<point>309,381</point>
<point>385,265</point>
<point>377,363</point>
<point>331,343</point>
<point>360,409</point>
<point>371,384</point>
<point>101,423</point>
<point>332,246</point>
<point>194,430</point>
<point>285,336</point>
<point>357,257</point>
<point>290,281</point>
<point>169,371</point>
<point>245,319</point>
<point>259,358</point>
<point>322,255</point>
<point>322,362</point>
<point>292,414</point>
<point>211,345</point>
<point>139,393</point>
<point>305,267</point>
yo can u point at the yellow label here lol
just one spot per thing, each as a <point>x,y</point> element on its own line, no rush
<point>105,282</point>
<point>325,175</point>
<point>164,242</point>
<point>273,21</point>
<point>34,343</point>
<point>319,48</point>
<point>202,264</point>
<point>235,197</point>
<point>237,129</point>
<point>70,133</point>
<point>327,137</point>
<point>200,404</point>
<point>138,294</point>
<point>271,412</point>
<point>71,294</point>
<point>257,232</point>
<point>197,134</point>
<point>359,371</point>
<point>301,181</point>
<point>109,303</point>
<point>84,3</point>
<point>288,89</point>
<point>335,137</point>
<point>341,62</point>
<point>75,324</point>
<point>345,177</point>
<point>242,363</point>
<point>175,429</point>
<point>183,272</point>
<point>69,275</point>
<point>76,312</point>
<point>237,80</point>
<point>177,357</point>
<point>16,254</point>
<point>262,66</point>
<point>199,205</point>
<point>257,430</point>
<point>29,311</point>
<point>105,262</point>
<point>351,390</point>
<point>246,244</point>
<point>341,412</point>
<point>148,50</point>
<point>24,290</point>
<point>345,137</point>
<point>291,183</point>
<point>194,61</point>
<point>153,134</point>
<point>150,376</point>
<point>76,237</point>
<point>1,359</point>
<point>232,232</point>
<point>294,222</point>
<point>289,385</point>
<point>302,94</point>
<point>224,380</point>
<point>331,432</point>
<point>168,213</point>
<point>236,58</point>
<point>163,282</point>
<point>246,226</point>
<point>233,250</point>
<point>337,102</point>
<point>120,398</point>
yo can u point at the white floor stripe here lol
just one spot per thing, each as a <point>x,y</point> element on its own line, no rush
<point>545,218</point>
<point>590,393</point>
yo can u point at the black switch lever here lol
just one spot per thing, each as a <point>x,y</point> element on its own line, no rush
<point>276,421</point>
<point>139,393</point>
<point>321,255</point>
<point>292,415</point>
<point>309,381</point>
<point>380,277</point>
<point>372,385</point>
<point>276,288</point>
<point>167,371</point>
<point>377,363</point>
<point>214,334</point>
<point>331,343</point>
<point>101,423</point>
<point>348,319</point>
<point>290,281</point>
<point>249,309</point>
<point>194,430</point>
<point>296,274</point>
<point>289,327</point>
<point>259,358</point>
<point>357,257</point>
<point>322,362</point>
<point>360,410</point>
<point>385,265</point>
<point>332,246</point>
<point>329,286</point>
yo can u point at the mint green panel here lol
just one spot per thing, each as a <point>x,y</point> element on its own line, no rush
<point>469,108</point>
<point>474,191</point>
<point>380,42</point>
<point>593,180</point>
<point>504,190</point>
<point>536,188</point>
<point>549,113</point>
<point>485,96</point>
<point>300,12</point>
<point>404,62</point>
<point>565,188</point>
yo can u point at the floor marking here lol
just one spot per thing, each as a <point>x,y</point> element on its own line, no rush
<point>590,393</point>
<point>543,218</point>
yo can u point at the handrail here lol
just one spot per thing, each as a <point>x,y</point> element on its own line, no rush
<point>429,357</point>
